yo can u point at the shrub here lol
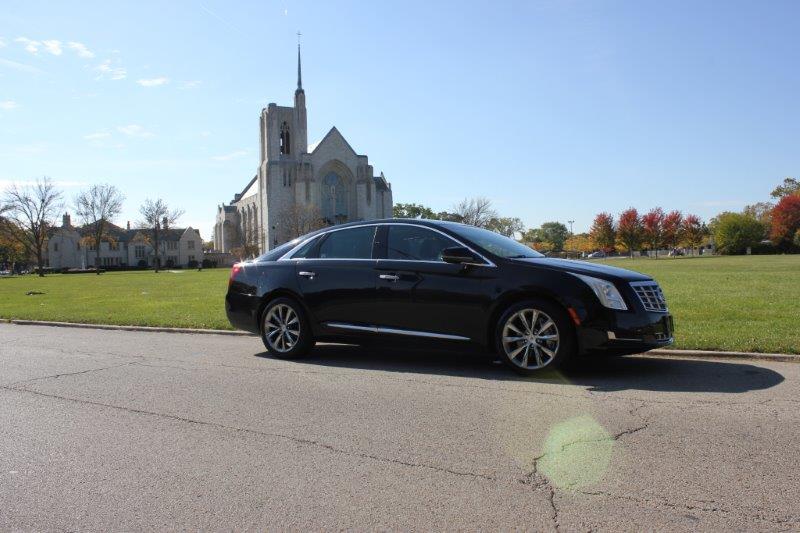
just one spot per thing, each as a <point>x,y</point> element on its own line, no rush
<point>192,264</point>
<point>735,232</point>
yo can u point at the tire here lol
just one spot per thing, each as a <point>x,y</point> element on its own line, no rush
<point>285,329</point>
<point>551,345</point>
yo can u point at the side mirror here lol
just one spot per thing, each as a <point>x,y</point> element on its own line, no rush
<point>459,255</point>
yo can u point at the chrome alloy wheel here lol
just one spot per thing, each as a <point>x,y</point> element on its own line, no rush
<point>530,339</point>
<point>282,328</point>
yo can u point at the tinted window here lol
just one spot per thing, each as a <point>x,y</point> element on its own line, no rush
<point>413,243</point>
<point>355,243</point>
<point>493,242</point>
<point>305,250</point>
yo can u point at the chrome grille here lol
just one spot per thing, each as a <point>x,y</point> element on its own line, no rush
<point>650,295</point>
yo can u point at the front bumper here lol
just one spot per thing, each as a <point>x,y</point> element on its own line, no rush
<point>621,333</point>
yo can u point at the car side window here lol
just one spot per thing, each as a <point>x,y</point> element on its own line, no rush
<point>306,250</point>
<point>354,243</point>
<point>413,243</point>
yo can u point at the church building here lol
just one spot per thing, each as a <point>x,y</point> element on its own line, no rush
<point>298,186</point>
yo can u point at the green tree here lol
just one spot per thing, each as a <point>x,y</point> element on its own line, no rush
<point>555,234</point>
<point>413,211</point>
<point>507,226</point>
<point>789,186</point>
<point>734,232</point>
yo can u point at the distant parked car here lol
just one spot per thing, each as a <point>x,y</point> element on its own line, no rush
<point>441,283</point>
<point>675,252</point>
<point>5,272</point>
<point>597,255</point>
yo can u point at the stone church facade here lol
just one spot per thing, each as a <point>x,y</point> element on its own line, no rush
<point>328,181</point>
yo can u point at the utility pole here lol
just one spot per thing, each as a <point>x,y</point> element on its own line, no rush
<point>570,222</point>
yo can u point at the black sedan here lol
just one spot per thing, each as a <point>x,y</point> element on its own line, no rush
<point>443,284</point>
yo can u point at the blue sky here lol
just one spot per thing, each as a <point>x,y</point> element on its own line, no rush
<point>555,110</point>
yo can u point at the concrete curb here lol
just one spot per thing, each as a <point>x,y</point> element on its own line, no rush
<point>779,357</point>
<point>663,352</point>
<point>151,329</point>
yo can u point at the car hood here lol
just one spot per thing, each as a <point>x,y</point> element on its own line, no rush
<point>585,268</point>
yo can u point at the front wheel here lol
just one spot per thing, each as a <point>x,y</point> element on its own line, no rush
<point>285,329</point>
<point>534,335</point>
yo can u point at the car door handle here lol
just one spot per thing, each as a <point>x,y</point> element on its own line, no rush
<point>389,277</point>
<point>305,274</point>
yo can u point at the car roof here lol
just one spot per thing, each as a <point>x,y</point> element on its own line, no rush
<point>415,221</point>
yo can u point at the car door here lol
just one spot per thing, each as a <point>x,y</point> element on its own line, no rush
<point>423,295</point>
<point>337,277</point>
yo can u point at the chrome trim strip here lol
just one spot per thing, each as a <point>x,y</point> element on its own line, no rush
<point>394,331</point>
<point>288,255</point>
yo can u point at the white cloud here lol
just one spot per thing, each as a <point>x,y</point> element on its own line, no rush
<point>153,82</point>
<point>192,84</point>
<point>107,71</point>
<point>97,136</point>
<point>53,46</point>
<point>80,49</point>
<point>8,105</point>
<point>233,155</point>
<point>205,133</point>
<point>29,44</point>
<point>2,42</point>
<point>134,130</point>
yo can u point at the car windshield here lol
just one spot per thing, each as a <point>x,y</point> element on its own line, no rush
<point>494,242</point>
<point>280,251</point>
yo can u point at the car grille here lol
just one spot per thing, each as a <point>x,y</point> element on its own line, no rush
<point>650,295</point>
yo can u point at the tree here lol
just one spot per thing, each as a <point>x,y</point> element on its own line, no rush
<point>507,226</point>
<point>157,217</point>
<point>786,220</point>
<point>302,219</point>
<point>476,211</point>
<point>735,232</point>
<point>630,230</point>
<point>603,232</point>
<point>413,211</point>
<point>31,210</point>
<point>671,229</point>
<point>580,242</point>
<point>788,187</point>
<point>554,233</point>
<point>248,237</point>
<point>653,226</point>
<point>97,206</point>
<point>11,249</point>
<point>693,231</point>
<point>761,211</point>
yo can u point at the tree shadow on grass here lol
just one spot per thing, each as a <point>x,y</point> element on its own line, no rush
<point>599,374</point>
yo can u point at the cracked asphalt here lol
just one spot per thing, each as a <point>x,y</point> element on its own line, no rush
<point>114,430</point>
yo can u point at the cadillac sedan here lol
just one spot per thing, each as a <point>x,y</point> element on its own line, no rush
<point>445,285</point>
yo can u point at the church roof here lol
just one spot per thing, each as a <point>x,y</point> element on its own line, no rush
<point>333,132</point>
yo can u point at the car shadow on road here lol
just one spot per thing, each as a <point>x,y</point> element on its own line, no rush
<point>602,374</point>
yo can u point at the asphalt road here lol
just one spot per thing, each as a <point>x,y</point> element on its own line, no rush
<point>112,430</point>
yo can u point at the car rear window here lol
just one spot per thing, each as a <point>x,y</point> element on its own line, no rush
<point>353,243</point>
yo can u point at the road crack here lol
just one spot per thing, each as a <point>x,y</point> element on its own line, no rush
<point>298,440</point>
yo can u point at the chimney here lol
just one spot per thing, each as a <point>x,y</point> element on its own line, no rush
<point>129,225</point>
<point>164,223</point>
<point>65,220</point>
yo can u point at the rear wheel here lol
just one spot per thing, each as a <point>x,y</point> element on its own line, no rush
<point>285,329</point>
<point>533,335</point>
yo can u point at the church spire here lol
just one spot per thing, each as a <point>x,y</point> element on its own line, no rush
<point>299,73</point>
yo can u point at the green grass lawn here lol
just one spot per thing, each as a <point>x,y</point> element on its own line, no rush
<point>741,303</point>
<point>719,303</point>
<point>178,298</point>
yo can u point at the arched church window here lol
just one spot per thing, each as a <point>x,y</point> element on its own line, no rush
<point>285,140</point>
<point>334,199</point>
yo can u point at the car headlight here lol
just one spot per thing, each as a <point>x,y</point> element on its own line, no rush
<point>606,291</point>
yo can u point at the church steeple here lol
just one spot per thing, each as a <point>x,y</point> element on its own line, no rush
<point>299,72</point>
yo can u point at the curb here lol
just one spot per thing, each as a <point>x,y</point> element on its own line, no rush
<point>151,329</point>
<point>777,357</point>
<point>661,352</point>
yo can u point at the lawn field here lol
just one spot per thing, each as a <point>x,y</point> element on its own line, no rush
<point>719,303</point>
